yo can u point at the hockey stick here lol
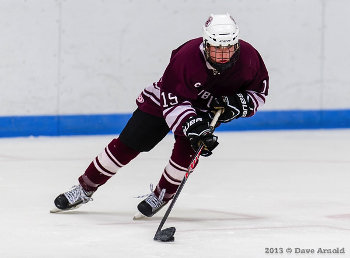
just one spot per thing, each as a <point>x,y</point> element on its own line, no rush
<point>167,235</point>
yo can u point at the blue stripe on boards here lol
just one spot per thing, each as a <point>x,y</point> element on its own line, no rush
<point>62,125</point>
<point>291,120</point>
<point>92,124</point>
<point>13,126</point>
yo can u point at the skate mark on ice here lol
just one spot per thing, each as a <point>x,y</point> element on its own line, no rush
<point>339,216</point>
<point>269,228</point>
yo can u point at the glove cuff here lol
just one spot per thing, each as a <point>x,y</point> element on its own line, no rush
<point>193,121</point>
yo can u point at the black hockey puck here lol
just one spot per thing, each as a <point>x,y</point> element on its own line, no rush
<point>165,235</point>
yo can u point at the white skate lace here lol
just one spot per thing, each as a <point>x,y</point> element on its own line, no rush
<point>155,201</point>
<point>76,194</point>
<point>145,195</point>
<point>152,199</point>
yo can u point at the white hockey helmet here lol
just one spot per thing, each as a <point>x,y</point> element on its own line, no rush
<point>221,30</point>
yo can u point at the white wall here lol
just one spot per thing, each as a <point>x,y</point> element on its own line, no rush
<point>95,56</point>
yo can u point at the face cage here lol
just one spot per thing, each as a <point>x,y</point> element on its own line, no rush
<point>222,66</point>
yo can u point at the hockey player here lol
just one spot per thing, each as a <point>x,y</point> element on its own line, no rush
<point>218,70</point>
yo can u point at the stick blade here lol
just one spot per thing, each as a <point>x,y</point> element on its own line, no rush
<point>165,235</point>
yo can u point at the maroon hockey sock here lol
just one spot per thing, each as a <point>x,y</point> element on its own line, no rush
<point>105,165</point>
<point>175,170</point>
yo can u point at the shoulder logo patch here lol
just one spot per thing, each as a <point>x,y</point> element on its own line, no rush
<point>140,99</point>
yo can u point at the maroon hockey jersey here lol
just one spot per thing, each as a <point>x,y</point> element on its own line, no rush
<point>190,83</point>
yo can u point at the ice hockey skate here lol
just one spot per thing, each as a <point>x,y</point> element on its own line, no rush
<point>150,206</point>
<point>71,199</point>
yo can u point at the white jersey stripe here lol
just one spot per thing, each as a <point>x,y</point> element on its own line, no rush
<point>151,97</point>
<point>154,90</point>
<point>255,102</point>
<point>176,115</point>
<point>181,118</point>
<point>258,96</point>
<point>258,99</point>
<point>170,109</point>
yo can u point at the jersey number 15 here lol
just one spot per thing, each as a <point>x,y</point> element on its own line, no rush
<point>169,99</point>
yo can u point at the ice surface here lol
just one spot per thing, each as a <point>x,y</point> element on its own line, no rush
<point>276,189</point>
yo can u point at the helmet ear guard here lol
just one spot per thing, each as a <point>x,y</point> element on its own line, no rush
<point>221,30</point>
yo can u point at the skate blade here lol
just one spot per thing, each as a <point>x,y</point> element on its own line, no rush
<point>57,210</point>
<point>139,216</point>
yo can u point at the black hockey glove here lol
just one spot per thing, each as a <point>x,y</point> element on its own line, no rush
<point>197,130</point>
<point>235,106</point>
